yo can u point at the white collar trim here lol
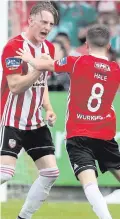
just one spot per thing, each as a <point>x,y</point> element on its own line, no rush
<point>98,56</point>
<point>29,42</point>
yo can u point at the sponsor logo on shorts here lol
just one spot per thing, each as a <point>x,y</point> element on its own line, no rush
<point>12,63</point>
<point>12,143</point>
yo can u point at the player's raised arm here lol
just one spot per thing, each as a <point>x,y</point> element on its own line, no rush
<point>44,62</point>
<point>65,64</point>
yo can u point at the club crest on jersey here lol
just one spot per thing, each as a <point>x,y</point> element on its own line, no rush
<point>12,143</point>
<point>12,63</point>
<point>62,61</point>
<point>103,66</point>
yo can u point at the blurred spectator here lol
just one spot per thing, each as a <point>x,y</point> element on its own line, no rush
<point>112,55</point>
<point>82,49</point>
<point>109,15</point>
<point>73,16</point>
<point>106,6</point>
<point>118,60</point>
<point>115,44</point>
<point>60,50</point>
<point>64,38</point>
<point>111,20</point>
<point>93,3</point>
<point>118,6</point>
<point>59,82</point>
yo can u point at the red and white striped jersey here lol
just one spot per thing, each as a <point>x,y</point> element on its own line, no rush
<point>22,111</point>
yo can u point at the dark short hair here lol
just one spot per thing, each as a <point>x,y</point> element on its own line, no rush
<point>45,6</point>
<point>63,35</point>
<point>98,35</point>
<point>61,45</point>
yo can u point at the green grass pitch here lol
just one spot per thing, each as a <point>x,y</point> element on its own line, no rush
<point>59,210</point>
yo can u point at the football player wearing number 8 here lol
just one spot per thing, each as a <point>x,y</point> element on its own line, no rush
<point>91,120</point>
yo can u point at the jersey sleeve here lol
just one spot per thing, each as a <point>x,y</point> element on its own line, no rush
<point>65,64</point>
<point>10,64</point>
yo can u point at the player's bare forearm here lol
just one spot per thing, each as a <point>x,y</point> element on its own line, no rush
<point>42,64</point>
<point>46,101</point>
<point>18,83</point>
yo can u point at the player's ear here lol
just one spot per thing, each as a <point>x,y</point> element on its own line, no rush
<point>108,46</point>
<point>86,44</point>
<point>30,21</point>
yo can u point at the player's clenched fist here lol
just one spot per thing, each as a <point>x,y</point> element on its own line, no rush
<point>50,117</point>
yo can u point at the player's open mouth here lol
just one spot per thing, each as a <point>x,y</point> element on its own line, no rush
<point>43,34</point>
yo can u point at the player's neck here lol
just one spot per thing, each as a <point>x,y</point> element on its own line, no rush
<point>100,53</point>
<point>31,38</point>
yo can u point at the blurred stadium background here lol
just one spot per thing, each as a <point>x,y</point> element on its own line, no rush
<point>68,38</point>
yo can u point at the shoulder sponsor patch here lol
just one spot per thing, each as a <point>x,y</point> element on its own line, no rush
<point>62,61</point>
<point>13,63</point>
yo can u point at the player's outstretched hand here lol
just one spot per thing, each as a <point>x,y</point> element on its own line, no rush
<point>26,56</point>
